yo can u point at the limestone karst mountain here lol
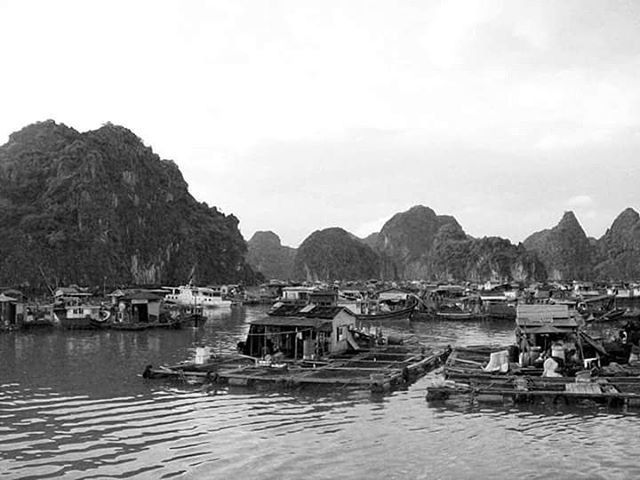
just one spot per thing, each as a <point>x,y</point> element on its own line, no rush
<point>267,255</point>
<point>101,208</point>
<point>619,249</point>
<point>565,250</point>
<point>334,254</point>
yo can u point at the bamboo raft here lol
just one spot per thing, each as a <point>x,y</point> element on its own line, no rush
<point>464,376</point>
<point>378,369</point>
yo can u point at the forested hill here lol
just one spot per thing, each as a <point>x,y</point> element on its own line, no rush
<point>335,254</point>
<point>100,208</point>
<point>267,255</point>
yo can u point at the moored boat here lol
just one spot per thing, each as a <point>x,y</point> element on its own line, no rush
<point>80,316</point>
<point>391,304</point>
<point>191,295</point>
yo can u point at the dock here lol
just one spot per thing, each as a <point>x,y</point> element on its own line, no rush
<point>378,369</point>
<point>463,375</point>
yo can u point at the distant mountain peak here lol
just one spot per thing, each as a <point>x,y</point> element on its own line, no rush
<point>627,218</point>
<point>35,134</point>
<point>569,219</point>
<point>564,249</point>
<point>335,254</point>
<point>421,209</point>
<point>266,254</point>
<point>266,236</point>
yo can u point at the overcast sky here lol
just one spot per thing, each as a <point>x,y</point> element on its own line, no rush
<point>300,115</point>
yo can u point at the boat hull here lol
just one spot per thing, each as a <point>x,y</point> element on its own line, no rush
<point>400,314</point>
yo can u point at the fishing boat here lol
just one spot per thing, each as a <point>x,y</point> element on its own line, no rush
<point>321,346</point>
<point>80,316</point>
<point>391,304</point>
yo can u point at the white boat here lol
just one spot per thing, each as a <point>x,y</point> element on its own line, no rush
<point>191,295</point>
<point>80,316</point>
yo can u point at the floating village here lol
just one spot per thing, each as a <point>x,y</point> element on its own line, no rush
<point>571,342</point>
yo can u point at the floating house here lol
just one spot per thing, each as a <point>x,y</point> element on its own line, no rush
<point>310,332</point>
<point>318,346</point>
<point>540,327</point>
<point>11,312</point>
<point>139,307</point>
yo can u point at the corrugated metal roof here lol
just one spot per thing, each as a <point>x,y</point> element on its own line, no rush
<point>141,296</point>
<point>291,322</point>
<point>538,315</point>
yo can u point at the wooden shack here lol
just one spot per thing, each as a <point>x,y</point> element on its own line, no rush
<point>312,332</point>
<point>10,311</point>
<point>540,328</point>
<point>139,307</point>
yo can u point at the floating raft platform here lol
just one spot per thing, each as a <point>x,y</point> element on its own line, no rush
<point>464,376</point>
<point>378,369</point>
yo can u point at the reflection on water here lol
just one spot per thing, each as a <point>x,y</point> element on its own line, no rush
<point>73,405</point>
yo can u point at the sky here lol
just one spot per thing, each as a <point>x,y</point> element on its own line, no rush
<point>299,115</point>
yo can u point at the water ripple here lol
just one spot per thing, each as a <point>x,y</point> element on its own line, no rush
<point>82,412</point>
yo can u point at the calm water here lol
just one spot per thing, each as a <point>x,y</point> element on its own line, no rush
<point>73,405</point>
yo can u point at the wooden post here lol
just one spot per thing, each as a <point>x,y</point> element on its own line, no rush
<point>295,345</point>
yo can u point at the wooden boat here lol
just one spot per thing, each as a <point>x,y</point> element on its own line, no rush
<point>100,323</point>
<point>167,324</point>
<point>403,313</point>
<point>80,316</point>
<point>193,371</point>
<point>460,316</point>
<point>610,316</point>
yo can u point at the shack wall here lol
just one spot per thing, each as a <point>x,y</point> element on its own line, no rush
<point>340,323</point>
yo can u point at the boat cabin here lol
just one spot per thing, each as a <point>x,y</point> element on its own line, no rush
<point>313,333</point>
<point>296,295</point>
